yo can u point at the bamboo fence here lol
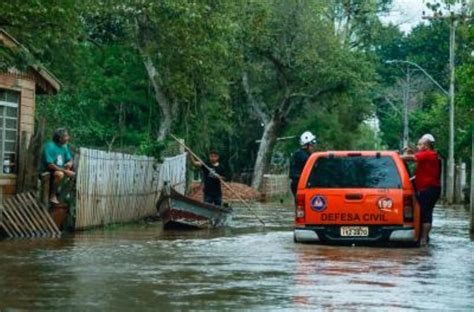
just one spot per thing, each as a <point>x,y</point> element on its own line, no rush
<point>115,187</point>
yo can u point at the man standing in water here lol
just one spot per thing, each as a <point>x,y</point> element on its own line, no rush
<point>427,181</point>
<point>56,160</point>
<point>300,157</point>
<point>211,178</point>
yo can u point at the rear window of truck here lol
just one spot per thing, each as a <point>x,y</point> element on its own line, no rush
<point>354,172</point>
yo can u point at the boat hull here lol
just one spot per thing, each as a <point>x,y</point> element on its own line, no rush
<point>177,210</point>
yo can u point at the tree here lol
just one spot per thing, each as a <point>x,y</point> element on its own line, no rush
<point>356,22</point>
<point>291,61</point>
<point>186,55</point>
<point>428,46</point>
<point>49,31</point>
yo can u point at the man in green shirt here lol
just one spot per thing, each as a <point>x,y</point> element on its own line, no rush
<point>57,161</point>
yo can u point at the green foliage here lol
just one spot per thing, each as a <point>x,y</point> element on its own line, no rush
<point>333,50</point>
<point>109,105</point>
<point>49,30</point>
<point>151,147</point>
<point>428,46</point>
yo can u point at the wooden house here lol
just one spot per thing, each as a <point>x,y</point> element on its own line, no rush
<point>18,91</point>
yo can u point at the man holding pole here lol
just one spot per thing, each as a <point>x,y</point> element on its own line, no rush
<point>427,181</point>
<point>196,159</point>
<point>212,174</point>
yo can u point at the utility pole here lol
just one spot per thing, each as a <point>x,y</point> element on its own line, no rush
<point>406,93</point>
<point>450,182</point>
<point>406,103</point>
<point>453,19</point>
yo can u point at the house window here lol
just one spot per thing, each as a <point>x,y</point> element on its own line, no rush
<point>9,102</point>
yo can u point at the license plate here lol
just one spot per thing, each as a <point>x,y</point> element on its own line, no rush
<point>354,231</point>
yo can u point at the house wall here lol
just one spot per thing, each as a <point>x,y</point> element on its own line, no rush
<point>26,86</point>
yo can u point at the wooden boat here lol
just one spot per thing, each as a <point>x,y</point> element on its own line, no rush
<point>177,210</point>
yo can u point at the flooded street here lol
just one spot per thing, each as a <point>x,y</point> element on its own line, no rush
<point>244,267</point>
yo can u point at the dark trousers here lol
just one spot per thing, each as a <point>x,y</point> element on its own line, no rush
<point>427,199</point>
<point>213,199</point>
<point>294,187</point>
<point>53,189</point>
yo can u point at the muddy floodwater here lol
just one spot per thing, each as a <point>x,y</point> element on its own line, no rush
<point>244,267</point>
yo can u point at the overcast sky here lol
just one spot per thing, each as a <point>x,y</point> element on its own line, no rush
<point>406,13</point>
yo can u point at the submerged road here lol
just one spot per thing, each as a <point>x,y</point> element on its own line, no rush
<point>244,267</point>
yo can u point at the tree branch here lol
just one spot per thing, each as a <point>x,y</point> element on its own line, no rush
<point>253,103</point>
<point>288,103</point>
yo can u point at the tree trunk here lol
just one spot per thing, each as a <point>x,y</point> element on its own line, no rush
<point>161,99</point>
<point>265,149</point>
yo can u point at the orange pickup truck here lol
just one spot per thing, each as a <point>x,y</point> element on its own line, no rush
<point>356,198</point>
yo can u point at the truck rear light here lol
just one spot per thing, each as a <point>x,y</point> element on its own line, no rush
<point>408,208</point>
<point>300,206</point>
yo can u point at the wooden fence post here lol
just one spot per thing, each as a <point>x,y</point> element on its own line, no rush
<point>181,148</point>
<point>22,161</point>
<point>459,181</point>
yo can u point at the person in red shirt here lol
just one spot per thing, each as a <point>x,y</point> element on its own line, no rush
<point>427,181</point>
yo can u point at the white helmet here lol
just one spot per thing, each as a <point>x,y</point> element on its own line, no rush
<point>428,137</point>
<point>307,138</point>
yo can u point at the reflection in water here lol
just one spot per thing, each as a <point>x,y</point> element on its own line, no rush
<point>243,267</point>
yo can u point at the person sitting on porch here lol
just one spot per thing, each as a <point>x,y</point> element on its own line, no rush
<point>57,161</point>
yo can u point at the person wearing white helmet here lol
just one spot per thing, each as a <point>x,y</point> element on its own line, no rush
<point>300,157</point>
<point>427,181</point>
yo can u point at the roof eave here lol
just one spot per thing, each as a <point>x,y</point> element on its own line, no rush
<point>46,81</point>
<point>54,83</point>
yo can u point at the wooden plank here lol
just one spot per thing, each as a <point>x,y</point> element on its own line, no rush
<point>9,189</point>
<point>7,182</point>
<point>4,226</point>
<point>16,232</point>
<point>24,217</point>
<point>39,229</point>
<point>21,222</point>
<point>11,217</point>
<point>22,156</point>
<point>3,223</point>
<point>44,215</point>
<point>25,220</point>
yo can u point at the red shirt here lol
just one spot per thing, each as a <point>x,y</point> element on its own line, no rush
<point>427,172</point>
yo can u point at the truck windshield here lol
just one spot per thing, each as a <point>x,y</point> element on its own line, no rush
<point>354,172</point>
